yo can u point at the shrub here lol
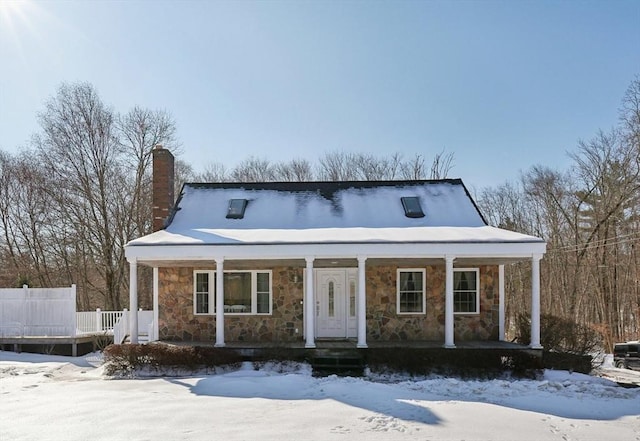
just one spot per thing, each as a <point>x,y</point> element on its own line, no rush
<point>567,361</point>
<point>101,341</point>
<point>567,345</point>
<point>476,363</point>
<point>561,335</point>
<point>123,360</point>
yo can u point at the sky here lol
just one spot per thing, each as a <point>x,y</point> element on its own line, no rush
<point>502,85</point>
<point>62,398</point>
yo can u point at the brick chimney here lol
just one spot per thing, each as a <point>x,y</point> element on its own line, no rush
<point>163,181</point>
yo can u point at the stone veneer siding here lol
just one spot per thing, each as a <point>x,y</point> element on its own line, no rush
<point>178,322</point>
<point>383,324</point>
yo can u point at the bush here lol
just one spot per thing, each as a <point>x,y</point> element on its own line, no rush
<point>561,335</point>
<point>567,344</point>
<point>124,360</point>
<point>474,363</point>
<point>568,362</point>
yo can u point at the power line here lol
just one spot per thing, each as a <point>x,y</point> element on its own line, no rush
<point>597,244</point>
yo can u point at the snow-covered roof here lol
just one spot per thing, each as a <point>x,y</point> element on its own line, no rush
<point>325,205</point>
<point>328,212</point>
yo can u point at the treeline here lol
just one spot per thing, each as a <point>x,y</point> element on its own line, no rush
<point>590,217</point>
<point>82,190</point>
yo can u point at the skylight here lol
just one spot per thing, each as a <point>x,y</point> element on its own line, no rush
<point>411,205</point>
<point>236,208</point>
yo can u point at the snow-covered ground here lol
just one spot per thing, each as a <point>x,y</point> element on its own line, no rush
<point>60,398</point>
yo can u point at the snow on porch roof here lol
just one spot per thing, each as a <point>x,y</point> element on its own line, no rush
<point>327,212</point>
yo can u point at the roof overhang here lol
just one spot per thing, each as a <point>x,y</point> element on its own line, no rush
<point>497,252</point>
<point>477,244</point>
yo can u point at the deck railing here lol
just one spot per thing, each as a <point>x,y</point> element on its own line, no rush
<point>89,322</point>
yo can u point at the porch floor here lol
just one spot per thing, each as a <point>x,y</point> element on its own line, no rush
<point>332,355</point>
<point>351,344</point>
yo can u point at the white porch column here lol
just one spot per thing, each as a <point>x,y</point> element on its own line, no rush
<point>309,305</point>
<point>219,303</point>
<point>501,302</point>
<point>133,301</point>
<point>535,301</point>
<point>156,312</point>
<point>362,303</point>
<point>448,303</point>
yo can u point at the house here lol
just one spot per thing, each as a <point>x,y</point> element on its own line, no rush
<point>302,261</point>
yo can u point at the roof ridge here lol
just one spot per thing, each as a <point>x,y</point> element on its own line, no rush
<point>311,185</point>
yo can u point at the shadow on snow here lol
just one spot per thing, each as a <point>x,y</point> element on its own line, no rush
<point>376,397</point>
<point>410,400</point>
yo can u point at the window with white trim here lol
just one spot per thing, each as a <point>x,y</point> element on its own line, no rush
<point>202,293</point>
<point>245,292</point>
<point>466,291</point>
<point>411,293</point>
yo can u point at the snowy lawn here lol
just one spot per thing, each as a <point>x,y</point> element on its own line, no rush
<point>61,398</point>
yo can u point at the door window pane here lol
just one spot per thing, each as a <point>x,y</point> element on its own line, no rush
<point>331,300</point>
<point>352,298</point>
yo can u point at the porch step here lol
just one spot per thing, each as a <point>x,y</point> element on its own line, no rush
<point>337,362</point>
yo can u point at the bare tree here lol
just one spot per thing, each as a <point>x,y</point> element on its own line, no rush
<point>138,131</point>
<point>441,165</point>
<point>299,170</point>
<point>80,150</point>
<point>335,167</point>
<point>414,168</point>
<point>341,166</point>
<point>6,206</point>
<point>213,172</point>
<point>100,163</point>
<point>630,114</point>
<point>253,169</point>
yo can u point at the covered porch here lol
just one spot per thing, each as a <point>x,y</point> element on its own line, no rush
<point>358,260</point>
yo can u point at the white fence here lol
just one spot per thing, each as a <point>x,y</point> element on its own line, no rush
<point>51,312</point>
<point>38,312</point>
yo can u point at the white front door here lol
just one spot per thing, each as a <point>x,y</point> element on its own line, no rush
<point>336,303</point>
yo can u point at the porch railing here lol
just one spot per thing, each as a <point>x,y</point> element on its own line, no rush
<point>145,322</point>
<point>121,328</point>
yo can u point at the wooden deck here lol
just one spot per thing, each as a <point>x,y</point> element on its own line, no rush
<point>16,344</point>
